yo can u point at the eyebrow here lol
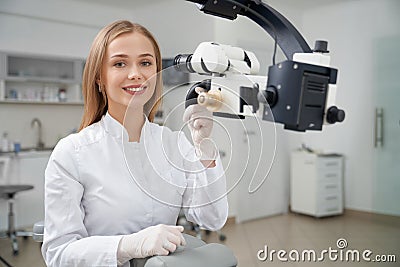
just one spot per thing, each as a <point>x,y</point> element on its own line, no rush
<point>126,56</point>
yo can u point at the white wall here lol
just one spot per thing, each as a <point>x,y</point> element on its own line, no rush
<point>64,28</point>
<point>178,25</point>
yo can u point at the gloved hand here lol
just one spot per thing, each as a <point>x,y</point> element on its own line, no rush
<point>200,123</point>
<point>154,240</point>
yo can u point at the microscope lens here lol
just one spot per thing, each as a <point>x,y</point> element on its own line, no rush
<point>182,63</point>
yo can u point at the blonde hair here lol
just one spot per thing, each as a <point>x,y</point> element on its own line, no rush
<point>95,102</point>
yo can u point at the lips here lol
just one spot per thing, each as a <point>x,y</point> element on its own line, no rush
<point>135,89</point>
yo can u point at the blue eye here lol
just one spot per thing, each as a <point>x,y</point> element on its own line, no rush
<point>146,63</point>
<point>119,64</point>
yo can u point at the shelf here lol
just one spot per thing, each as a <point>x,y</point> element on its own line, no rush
<point>27,154</point>
<point>39,79</point>
<point>76,103</point>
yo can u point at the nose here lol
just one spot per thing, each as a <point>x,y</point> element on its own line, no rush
<point>135,74</point>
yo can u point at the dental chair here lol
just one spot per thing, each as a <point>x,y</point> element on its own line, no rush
<point>196,253</point>
<point>191,226</point>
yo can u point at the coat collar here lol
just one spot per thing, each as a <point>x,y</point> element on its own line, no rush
<point>116,129</point>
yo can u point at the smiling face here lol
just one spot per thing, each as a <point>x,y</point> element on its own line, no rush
<point>128,73</point>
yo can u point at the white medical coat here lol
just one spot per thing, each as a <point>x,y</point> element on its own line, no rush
<point>99,186</point>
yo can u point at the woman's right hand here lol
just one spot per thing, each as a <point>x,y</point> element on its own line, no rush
<point>155,240</point>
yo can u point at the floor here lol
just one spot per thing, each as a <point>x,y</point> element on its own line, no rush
<point>288,232</point>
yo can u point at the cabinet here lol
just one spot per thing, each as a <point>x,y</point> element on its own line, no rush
<point>35,79</point>
<point>316,184</point>
<point>25,168</point>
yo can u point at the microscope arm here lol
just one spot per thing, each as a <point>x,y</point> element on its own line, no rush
<point>276,25</point>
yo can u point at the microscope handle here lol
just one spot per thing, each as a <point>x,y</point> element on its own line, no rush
<point>191,96</point>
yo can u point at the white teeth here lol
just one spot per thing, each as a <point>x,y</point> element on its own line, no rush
<point>135,89</point>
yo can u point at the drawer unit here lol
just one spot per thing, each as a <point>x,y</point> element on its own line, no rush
<point>316,184</point>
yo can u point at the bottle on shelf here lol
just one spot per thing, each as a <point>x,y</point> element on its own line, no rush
<point>17,146</point>
<point>5,146</point>
<point>62,95</point>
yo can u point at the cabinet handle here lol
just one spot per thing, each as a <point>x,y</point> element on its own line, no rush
<point>332,209</point>
<point>331,197</point>
<point>378,133</point>
<point>330,175</point>
<point>331,186</point>
<point>331,164</point>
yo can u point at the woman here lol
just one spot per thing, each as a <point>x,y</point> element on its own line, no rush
<point>114,190</point>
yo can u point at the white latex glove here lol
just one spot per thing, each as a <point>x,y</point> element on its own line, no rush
<point>200,123</point>
<point>154,240</point>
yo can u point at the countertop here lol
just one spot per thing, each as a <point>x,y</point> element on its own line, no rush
<point>28,152</point>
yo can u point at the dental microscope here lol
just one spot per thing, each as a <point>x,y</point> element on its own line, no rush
<point>298,92</point>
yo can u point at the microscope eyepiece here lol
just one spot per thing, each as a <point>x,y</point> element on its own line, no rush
<point>182,63</point>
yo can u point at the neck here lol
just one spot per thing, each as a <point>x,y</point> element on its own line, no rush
<point>131,118</point>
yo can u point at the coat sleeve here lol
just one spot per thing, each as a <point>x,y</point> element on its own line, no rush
<point>66,241</point>
<point>205,198</point>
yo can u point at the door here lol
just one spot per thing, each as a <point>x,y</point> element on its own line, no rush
<point>386,197</point>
